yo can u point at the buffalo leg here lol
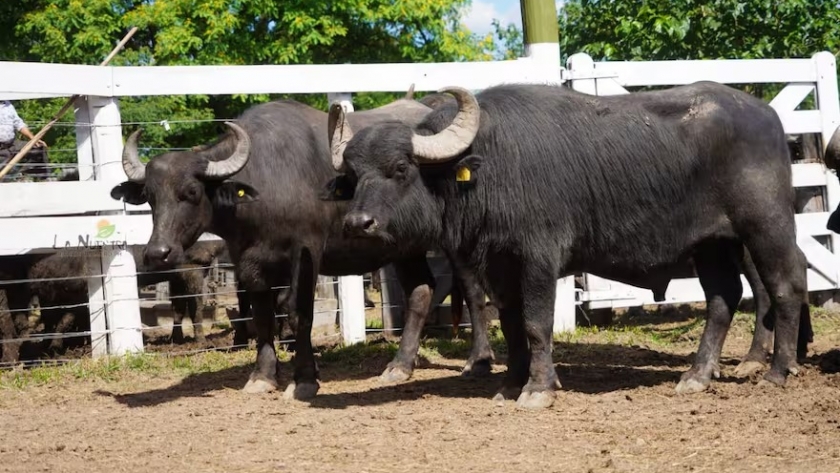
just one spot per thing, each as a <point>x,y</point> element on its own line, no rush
<point>720,277</point>
<point>11,349</point>
<point>63,326</point>
<point>537,289</point>
<point>783,271</point>
<point>265,377</point>
<point>194,282</point>
<point>481,355</point>
<point>518,359</point>
<point>179,305</point>
<point>301,302</point>
<point>240,326</point>
<point>762,341</point>
<point>418,283</point>
<point>457,304</point>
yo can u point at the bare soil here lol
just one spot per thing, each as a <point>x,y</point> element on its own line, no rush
<point>617,411</point>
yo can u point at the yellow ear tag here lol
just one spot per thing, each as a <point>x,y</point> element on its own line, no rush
<point>338,192</point>
<point>241,193</point>
<point>463,174</point>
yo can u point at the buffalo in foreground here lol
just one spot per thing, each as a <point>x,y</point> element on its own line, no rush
<point>259,188</point>
<point>529,183</point>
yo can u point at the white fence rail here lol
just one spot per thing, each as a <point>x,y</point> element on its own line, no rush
<point>44,216</point>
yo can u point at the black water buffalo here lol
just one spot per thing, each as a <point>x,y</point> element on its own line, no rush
<point>278,230</point>
<point>56,290</point>
<point>529,183</point>
<point>657,282</point>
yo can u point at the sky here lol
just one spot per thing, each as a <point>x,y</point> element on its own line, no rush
<point>482,12</point>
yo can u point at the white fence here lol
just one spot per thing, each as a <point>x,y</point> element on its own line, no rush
<point>37,217</point>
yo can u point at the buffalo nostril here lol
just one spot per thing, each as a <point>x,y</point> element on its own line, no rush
<point>368,224</point>
<point>158,252</point>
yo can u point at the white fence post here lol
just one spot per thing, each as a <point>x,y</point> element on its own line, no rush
<point>84,145</point>
<point>828,104</point>
<point>122,308</point>
<point>351,289</point>
<point>96,297</point>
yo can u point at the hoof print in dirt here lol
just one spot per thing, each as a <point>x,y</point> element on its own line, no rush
<point>260,386</point>
<point>301,392</point>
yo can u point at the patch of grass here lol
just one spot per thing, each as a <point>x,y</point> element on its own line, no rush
<point>115,368</point>
<point>359,353</point>
<point>374,324</point>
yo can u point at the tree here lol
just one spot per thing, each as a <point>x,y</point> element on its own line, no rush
<point>620,30</point>
<point>180,32</point>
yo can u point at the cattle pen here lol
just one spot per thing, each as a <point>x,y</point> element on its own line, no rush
<point>40,217</point>
<point>131,398</point>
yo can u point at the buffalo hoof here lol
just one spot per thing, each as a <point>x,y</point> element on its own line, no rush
<point>748,368</point>
<point>477,368</point>
<point>536,399</point>
<point>260,386</point>
<point>506,393</point>
<point>395,374</point>
<point>691,383</point>
<point>301,391</point>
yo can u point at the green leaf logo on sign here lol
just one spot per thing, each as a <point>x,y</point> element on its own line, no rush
<point>104,229</point>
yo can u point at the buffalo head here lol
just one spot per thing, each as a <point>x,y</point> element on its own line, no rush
<point>184,189</point>
<point>382,163</point>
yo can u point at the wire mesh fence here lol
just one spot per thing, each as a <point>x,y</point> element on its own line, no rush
<point>45,330</point>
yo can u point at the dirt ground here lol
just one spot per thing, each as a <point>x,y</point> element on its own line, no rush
<point>617,411</point>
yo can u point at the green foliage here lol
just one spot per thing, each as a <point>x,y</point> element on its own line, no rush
<point>209,32</point>
<point>698,29</point>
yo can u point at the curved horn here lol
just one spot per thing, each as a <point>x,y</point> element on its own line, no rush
<point>455,138</point>
<point>236,161</point>
<point>339,133</point>
<point>832,151</point>
<point>410,94</point>
<point>134,169</point>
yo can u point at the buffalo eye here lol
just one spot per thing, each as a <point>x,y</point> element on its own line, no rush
<point>402,168</point>
<point>191,194</point>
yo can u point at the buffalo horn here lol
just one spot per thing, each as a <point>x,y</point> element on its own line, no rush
<point>455,138</point>
<point>236,161</point>
<point>134,169</point>
<point>410,94</point>
<point>340,135</point>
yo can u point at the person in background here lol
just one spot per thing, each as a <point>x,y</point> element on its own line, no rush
<point>10,125</point>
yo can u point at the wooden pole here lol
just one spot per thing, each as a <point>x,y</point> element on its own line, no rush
<point>539,21</point>
<point>62,111</point>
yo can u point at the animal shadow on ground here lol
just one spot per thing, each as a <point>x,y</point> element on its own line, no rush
<point>583,368</point>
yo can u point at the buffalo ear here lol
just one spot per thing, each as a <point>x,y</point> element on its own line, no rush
<point>466,169</point>
<point>229,194</point>
<point>129,192</point>
<point>339,188</point>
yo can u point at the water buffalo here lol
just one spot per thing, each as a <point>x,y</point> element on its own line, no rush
<point>62,303</point>
<point>279,231</point>
<point>529,183</point>
<point>657,282</point>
